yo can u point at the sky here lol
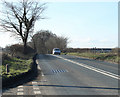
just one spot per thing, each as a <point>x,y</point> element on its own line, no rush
<point>86,24</point>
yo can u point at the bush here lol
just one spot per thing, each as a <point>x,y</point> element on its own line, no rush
<point>16,50</point>
<point>5,57</point>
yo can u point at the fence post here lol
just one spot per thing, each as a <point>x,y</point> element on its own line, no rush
<point>7,68</point>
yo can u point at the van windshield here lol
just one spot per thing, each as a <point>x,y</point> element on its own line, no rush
<point>57,49</point>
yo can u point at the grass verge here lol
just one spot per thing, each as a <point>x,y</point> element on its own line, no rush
<point>16,67</point>
<point>109,57</point>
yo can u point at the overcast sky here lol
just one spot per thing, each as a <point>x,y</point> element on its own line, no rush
<point>86,24</point>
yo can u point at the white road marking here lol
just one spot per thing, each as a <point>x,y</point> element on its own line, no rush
<point>20,93</point>
<point>35,88</point>
<point>63,70</point>
<point>37,61</point>
<point>42,73</point>
<point>37,92</point>
<point>20,89</point>
<point>53,71</point>
<point>34,82</point>
<point>58,70</point>
<point>20,86</point>
<point>92,68</point>
<point>38,67</point>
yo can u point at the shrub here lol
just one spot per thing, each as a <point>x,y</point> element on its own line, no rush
<point>5,57</point>
<point>16,50</point>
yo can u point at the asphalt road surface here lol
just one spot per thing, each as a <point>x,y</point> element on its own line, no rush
<point>70,75</point>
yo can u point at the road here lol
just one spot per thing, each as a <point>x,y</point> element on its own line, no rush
<point>70,75</point>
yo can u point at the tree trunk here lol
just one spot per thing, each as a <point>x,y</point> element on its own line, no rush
<point>25,46</point>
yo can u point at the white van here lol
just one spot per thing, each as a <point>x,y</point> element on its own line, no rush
<point>56,51</point>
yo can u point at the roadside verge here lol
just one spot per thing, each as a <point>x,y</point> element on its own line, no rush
<point>106,57</point>
<point>31,74</point>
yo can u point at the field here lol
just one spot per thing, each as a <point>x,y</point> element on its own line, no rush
<point>110,57</point>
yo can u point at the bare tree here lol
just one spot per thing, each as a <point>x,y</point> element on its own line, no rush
<point>39,40</point>
<point>44,41</point>
<point>20,18</point>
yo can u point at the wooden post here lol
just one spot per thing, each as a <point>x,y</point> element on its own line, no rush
<point>7,68</point>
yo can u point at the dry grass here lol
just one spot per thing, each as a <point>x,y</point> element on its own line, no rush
<point>99,56</point>
<point>16,65</point>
